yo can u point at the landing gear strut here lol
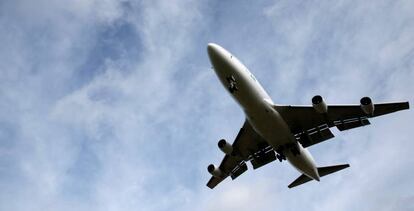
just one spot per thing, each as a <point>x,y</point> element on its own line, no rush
<point>280,157</point>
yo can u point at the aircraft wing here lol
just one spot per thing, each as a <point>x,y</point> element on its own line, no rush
<point>248,146</point>
<point>311,127</point>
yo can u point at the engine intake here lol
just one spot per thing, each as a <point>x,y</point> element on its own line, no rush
<point>216,172</point>
<point>367,106</point>
<point>225,147</point>
<point>319,105</point>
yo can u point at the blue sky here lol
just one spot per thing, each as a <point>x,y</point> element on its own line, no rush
<point>112,105</point>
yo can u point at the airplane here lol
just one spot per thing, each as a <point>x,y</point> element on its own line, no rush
<point>281,132</point>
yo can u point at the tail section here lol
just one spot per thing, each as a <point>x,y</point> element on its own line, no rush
<point>323,171</point>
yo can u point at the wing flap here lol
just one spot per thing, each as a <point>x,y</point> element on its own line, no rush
<point>240,169</point>
<point>262,159</point>
<point>316,136</point>
<point>352,123</point>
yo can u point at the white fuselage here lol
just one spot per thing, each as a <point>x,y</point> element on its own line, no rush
<point>258,107</point>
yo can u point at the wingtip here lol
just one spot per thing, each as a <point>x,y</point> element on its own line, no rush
<point>210,185</point>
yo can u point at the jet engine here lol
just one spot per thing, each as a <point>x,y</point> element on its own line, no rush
<point>319,105</point>
<point>216,172</point>
<point>367,106</point>
<point>225,147</point>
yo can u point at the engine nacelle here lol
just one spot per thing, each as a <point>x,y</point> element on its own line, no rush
<point>367,106</point>
<point>216,172</point>
<point>319,105</point>
<point>225,147</point>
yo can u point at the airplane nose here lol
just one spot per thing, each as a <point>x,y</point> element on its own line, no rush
<point>217,55</point>
<point>212,49</point>
<point>220,59</point>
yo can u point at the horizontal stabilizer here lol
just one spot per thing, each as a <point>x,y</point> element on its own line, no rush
<point>299,181</point>
<point>323,171</point>
<point>331,169</point>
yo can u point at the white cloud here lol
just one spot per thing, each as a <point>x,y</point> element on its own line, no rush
<point>137,133</point>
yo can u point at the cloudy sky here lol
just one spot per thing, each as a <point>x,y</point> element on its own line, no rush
<point>112,104</point>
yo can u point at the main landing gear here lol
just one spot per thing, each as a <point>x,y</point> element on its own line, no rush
<point>293,148</point>
<point>279,154</point>
<point>280,157</point>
